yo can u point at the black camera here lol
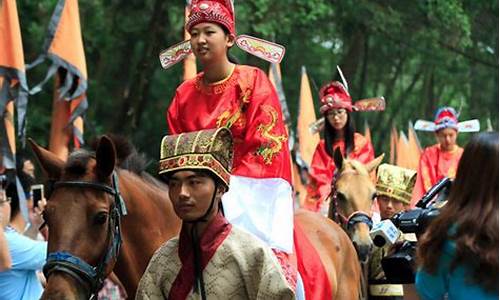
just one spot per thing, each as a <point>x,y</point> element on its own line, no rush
<point>399,267</point>
<point>3,181</point>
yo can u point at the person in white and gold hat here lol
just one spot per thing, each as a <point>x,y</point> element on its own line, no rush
<point>394,191</point>
<point>211,258</point>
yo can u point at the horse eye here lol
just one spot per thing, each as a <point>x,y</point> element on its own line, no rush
<point>341,196</point>
<point>101,218</point>
<point>374,196</point>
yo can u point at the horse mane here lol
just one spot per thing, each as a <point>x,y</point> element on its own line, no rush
<point>128,158</point>
<point>77,162</point>
<point>355,166</point>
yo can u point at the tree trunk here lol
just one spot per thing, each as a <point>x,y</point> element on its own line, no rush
<point>139,84</point>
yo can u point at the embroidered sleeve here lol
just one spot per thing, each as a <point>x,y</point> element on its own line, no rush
<point>266,136</point>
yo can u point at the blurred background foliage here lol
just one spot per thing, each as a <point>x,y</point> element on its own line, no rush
<point>418,54</point>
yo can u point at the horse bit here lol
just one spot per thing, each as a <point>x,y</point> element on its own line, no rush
<point>84,273</point>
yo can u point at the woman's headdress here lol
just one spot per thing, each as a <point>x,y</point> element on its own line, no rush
<point>447,117</point>
<point>222,13</point>
<point>335,95</point>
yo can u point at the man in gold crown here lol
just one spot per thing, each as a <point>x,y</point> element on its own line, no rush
<point>211,259</point>
<point>394,192</point>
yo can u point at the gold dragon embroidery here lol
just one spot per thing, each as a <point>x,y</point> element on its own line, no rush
<point>273,145</point>
<point>228,119</point>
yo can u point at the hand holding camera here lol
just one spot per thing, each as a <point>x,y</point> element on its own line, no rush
<point>39,203</point>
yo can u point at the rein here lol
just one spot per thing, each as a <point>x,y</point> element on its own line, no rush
<point>84,273</point>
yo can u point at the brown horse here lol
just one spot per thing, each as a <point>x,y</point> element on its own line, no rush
<point>79,213</point>
<point>336,253</point>
<point>78,218</point>
<point>353,193</point>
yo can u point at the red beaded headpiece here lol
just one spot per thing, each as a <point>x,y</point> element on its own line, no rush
<point>333,96</point>
<point>220,12</point>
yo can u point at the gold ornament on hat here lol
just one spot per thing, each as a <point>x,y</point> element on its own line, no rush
<point>210,150</point>
<point>396,182</point>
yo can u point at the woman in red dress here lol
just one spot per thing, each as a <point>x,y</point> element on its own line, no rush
<point>339,132</point>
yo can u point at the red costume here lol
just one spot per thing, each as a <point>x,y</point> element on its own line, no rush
<point>434,162</point>
<point>335,96</point>
<point>434,165</point>
<point>259,198</point>
<point>246,103</point>
<point>322,168</point>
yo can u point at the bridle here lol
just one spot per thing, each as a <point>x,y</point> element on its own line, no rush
<point>351,220</point>
<point>84,273</point>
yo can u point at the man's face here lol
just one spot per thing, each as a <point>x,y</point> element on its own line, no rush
<point>191,193</point>
<point>4,209</point>
<point>389,206</point>
<point>447,138</point>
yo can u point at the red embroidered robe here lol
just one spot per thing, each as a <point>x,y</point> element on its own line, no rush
<point>245,102</point>
<point>434,165</point>
<point>323,166</point>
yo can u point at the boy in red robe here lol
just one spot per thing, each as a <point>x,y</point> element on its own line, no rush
<point>440,160</point>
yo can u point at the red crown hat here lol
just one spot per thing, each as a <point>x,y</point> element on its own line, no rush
<point>220,12</point>
<point>446,117</point>
<point>214,11</point>
<point>334,95</point>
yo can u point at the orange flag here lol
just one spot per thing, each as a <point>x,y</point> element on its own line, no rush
<point>368,134</point>
<point>414,148</point>
<point>190,60</point>
<point>307,140</point>
<point>393,145</point>
<point>64,47</point>
<point>12,81</point>
<point>13,90</point>
<point>402,158</point>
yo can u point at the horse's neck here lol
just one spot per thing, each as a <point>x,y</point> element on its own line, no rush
<point>150,221</point>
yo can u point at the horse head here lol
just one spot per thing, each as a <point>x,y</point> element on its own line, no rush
<point>353,193</point>
<point>83,218</point>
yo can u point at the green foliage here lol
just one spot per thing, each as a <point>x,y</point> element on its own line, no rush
<point>419,54</point>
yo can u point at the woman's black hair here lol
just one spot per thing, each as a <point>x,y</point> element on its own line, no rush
<point>230,57</point>
<point>330,136</point>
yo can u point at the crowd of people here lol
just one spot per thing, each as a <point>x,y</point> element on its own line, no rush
<point>227,167</point>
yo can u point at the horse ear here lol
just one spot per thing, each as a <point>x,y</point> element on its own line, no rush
<point>371,166</point>
<point>338,158</point>
<point>105,157</point>
<point>51,165</point>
